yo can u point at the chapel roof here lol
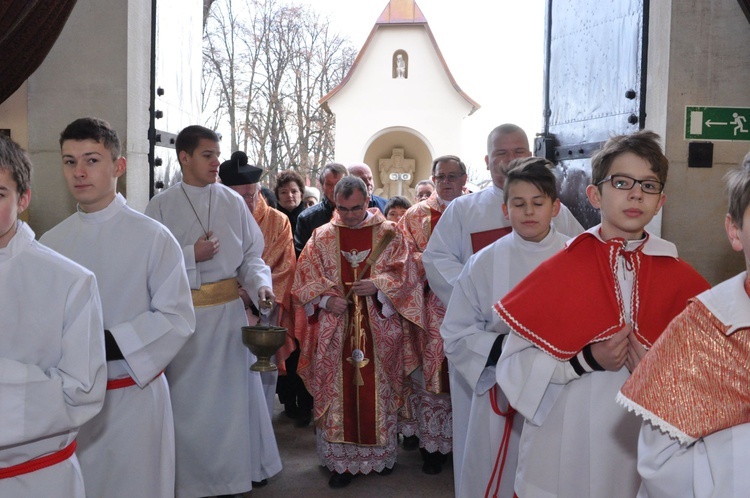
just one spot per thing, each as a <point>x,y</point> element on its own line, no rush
<point>400,12</point>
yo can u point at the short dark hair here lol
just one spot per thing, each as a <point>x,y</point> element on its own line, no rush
<point>504,129</point>
<point>269,196</point>
<point>348,185</point>
<point>644,144</point>
<point>189,137</point>
<point>738,188</point>
<point>445,159</point>
<point>534,170</point>
<point>337,168</point>
<point>289,176</point>
<point>425,182</point>
<point>15,160</point>
<point>94,129</point>
<point>397,201</point>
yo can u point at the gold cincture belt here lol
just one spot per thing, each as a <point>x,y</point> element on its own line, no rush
<point>215,293</point>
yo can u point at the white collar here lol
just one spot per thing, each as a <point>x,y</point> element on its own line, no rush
<point>652,245</point>
<point>105,214</point>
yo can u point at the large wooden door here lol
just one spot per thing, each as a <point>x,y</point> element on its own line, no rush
<point>595,85</point>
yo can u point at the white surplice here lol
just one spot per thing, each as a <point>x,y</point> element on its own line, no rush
<point>146,306</point>
<point>715,466</point>
<point>450,243</point>
<point>576,440</point>
<point>469,330</point>
<point>221,420</point>
<point>52,369</point>
<point>448,250</point>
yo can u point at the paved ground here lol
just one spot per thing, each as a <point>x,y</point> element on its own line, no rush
<point>303,476</point>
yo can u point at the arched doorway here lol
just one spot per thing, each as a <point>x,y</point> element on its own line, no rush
<point>398,150</point>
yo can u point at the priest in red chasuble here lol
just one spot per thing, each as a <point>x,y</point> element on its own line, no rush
<point>362,294</point>
<point>430,400</point>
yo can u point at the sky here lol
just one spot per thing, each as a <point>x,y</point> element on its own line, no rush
<point>494,49</point>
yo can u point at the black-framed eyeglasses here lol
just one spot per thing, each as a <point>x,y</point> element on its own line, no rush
<point>622,182</point>
<point>453,177</point>
<point>354,210</point>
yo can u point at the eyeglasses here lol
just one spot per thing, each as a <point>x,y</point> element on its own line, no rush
<point>622,182</point>
<point>354,210</point>
<point>453,177</point>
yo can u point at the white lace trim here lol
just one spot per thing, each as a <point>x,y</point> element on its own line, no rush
<point>435,418</point>
<point>661,424</point>
<point>409,426</point>
<point>356,459</point>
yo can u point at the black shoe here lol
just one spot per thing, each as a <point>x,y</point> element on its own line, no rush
<point>411,442</point>
<point>291,411</point>
<point>303,418</point>
<point>433,462</point>
<point>386,471</point>
<point>432,468</point>
<point>260,484</point>
<point>340,480</point>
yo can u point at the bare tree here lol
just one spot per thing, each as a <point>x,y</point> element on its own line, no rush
<point>222,61</point>
<point>266,67</point>
<point>206,9</point>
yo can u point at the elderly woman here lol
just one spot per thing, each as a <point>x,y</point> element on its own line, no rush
<point>289,188</point>
<point>311,197</point>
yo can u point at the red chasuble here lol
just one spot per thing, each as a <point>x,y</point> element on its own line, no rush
<point>573,298</point>
<point>418,224</point>
<point>327,358</point>
<point>441,383</point>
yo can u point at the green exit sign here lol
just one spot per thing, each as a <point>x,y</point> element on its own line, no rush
<point>717,123</point>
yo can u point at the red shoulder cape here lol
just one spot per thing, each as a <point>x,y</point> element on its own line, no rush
<point>573,299</point>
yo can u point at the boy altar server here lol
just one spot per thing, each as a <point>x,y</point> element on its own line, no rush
<point>52,368</point>
<point>213,389</point>
<point>692,387</point>
<point>128,449</point>
<point>474,334</point>
<point>582,320</point>
<point>470,223</point>
<point>278,254</point>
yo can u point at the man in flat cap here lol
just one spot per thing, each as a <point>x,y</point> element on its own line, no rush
<point>213,390</point>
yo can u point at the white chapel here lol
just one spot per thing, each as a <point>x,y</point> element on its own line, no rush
<point>399,106</point>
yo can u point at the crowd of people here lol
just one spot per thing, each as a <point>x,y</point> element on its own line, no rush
<point>488,328</point>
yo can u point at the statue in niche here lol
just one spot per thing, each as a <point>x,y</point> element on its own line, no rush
<point>400,65</point>
<point>396,175</point>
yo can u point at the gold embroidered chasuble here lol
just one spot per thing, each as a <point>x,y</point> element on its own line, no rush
<point>279,255</point>
<point>348,411</point>
<point>693,381</point>
<point>417,224</point>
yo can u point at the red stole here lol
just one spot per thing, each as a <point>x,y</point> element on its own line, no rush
<point>444,380</point>
<point>573,298</point>
<point>480,240</point>
<point>359,402</point>
<point>434,217</point>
